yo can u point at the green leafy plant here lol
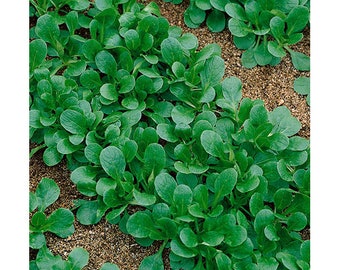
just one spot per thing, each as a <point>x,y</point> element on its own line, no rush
<point>245,202</point>
<point>264,29</point>
<point>77,259</point>
<point>59,222</point>
<point>145,119</point>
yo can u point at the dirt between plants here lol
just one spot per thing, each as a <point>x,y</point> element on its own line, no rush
<point>104,241</point>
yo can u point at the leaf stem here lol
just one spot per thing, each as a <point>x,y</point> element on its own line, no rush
<point>36,149</point>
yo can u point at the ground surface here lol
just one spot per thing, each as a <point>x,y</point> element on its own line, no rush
<point>274,85</point>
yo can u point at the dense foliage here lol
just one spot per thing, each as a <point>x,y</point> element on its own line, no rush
<point>264,29</point>
<point>144,118</point>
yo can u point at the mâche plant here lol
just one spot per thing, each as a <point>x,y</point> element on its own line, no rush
<point>265,30</point>
<point>147,121</point>
<point>60,222</point>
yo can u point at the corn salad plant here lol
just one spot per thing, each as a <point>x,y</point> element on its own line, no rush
<point>145,119</point>
<point>265,30</point>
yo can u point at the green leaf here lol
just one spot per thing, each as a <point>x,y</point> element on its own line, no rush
<point>91,48</point>
<point>225,183</point>
<point>37,53</point>
<point>113,162</point>
<point>179,249</point>
<point>271,233</point>
<point>293,158</point>
<point>89,212</point>
<point>182,115</point>
<point>83,173</point>
<point>263,218</point>
<point>212,72</point>
<point>112,216</point>
<point>51,156</point>
<point>256,203</point>
<point>72,21</point>
<point>297,221</point>
<point>153,262</point>
<point>238,28</point>
<point>169,227</point>
<point>78,258</point>
<point>148,24</point>
<point>216,21</point>
<point>139,225</point>
<point>143,199</point>
<point>267,263</point>
<point>262,55</point>
<point>75,69</point>
<point>129,149</point>
<point>282,198</point>
<point>300,61</point>
<point>60,222</point>
<point>212,143</point>
<point>203,4</point>
<point>302,86</point>
<point>45,259</point>
<point>248,184</point>
<point>92,152</point>
<point>235,11</point>
<point>297,143</point>
<point>288,260</point>
<point>277,28</point>
<point>73,121</point>
<point>109,92</point>
<point>36,240</point>
<point>235,236</point>
<point>278,142</point>
<point>47,193</point>
<point>297,19</point>
<point>212,238</point>
<point>38,222</point>
<point>244,43</point>
<point>276,50</point>
<point>130,118</point>
<point>171,51</point>
<point>194,16</point>
<point>258,115</point>
<point>252,9</point>
<point>165,186</point>
<point>33,201</point>
<point>47,28</point>
<point>188,41</point>
<point>283,121</point>
<point>90,79</point>
<point>130,103</point>
<point>305,250</point>
<point>248,59</point>
<point>103,4</point>
<point>188,237</point>
<point>166,132</point>
<point>223,262</point>
<point>64,146</point>
<point>154,159</point>
<point>232,92</point>
<point>106,63</point>
<point>182,197</point>
<point>79,4</point>
<point>218,4</point>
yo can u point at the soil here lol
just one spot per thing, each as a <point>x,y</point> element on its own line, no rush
<point>104,241</point>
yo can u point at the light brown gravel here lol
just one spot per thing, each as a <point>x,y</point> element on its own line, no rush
<point>104,241</point>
